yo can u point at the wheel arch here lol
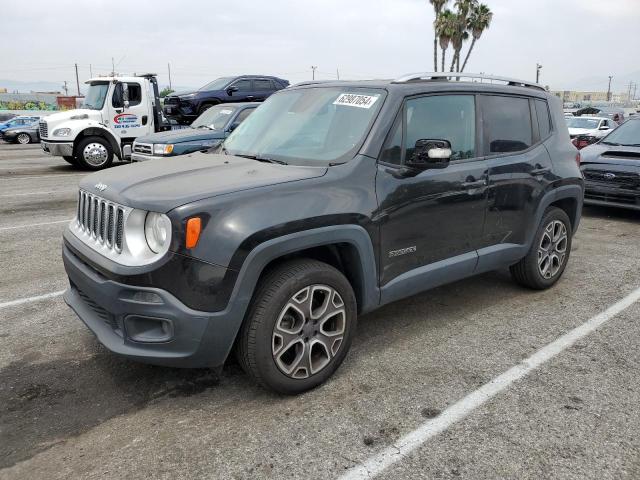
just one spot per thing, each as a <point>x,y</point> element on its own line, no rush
<point>98,132</point>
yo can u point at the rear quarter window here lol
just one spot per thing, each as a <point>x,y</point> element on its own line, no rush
<point>544,119</point>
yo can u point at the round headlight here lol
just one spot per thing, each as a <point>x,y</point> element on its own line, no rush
<point>157,231</point>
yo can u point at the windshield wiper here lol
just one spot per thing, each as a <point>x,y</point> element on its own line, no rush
<point>261,159</point>
<point>204,126</point>
<point>610,143</point>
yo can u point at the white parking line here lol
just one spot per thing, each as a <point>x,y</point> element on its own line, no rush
<point>34,224</point>
<point>37,298</point>
<point>26,177</point>
<point>377,463</point>
<point>38,193</point>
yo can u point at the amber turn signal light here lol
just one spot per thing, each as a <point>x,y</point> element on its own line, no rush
<point>194,225</point>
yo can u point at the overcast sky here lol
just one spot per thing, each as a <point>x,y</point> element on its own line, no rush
<point>578,42</point>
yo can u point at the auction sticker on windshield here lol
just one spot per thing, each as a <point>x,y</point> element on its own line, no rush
<point>356,100</point>
<point>226,112</point>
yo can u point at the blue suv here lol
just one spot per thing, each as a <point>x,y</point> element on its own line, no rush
<point>184,107</point>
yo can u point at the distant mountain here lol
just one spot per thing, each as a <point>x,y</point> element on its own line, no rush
<point>26,87</point>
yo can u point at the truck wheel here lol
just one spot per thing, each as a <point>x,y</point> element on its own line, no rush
<point>71,160</point>
<point>299,326</point>
<point>544,264</point>
<point>24,138</point>
<point>94,153</point>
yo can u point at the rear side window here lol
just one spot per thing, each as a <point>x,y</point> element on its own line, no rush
<point>442,117</point>
<point>507,124</point>
<point>544,119</point>
<point>261,85</point>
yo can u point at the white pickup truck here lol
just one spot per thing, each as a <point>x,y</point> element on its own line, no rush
<point>116,110</point>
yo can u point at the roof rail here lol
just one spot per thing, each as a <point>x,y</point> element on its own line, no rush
<point>458,76</point>
<point>311,82</point>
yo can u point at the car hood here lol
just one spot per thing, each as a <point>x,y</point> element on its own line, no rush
<point>582,131</point>
<point>78,114</point>
<point>182,135</point>
<point>162,185</point>
<point>601,153</point>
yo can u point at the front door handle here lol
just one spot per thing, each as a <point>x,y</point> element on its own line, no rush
<point>250,97</point>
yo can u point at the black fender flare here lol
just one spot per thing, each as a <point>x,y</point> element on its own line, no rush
<point>224,325</point>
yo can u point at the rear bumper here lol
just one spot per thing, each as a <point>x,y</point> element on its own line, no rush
<point>147,324</point>
<point>57,149</point>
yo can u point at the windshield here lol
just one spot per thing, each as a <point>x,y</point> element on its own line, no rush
<point>581,122</point>
<point>217,84</point>
<point>96,94</point>
<point>627,134</point>
<point>215,118</point>
<point>310,126</point>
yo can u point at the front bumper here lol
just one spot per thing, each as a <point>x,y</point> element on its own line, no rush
<point>57,149</point>
<point>148,324</point>
<point>137,157</point>
<point>180,111</point>
<point>613,197</point>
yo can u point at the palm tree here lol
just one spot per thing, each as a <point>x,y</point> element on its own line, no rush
<point>464,7</point>
<point>438,5</point>
<point>445,30</point>
<point>479,21</point>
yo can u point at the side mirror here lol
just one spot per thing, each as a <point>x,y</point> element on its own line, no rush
<point>230,90</point>
<point>429,154</point>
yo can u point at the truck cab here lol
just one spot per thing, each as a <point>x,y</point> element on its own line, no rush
<point>116,110</point>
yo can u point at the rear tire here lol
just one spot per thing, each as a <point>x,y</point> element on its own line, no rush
<point>94,153</point>
<point>23,138</point>
<point>549,253</point>
<point>299,326</point>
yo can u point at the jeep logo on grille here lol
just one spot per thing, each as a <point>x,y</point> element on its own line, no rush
<point>101,187</point>
<point>609,176</point>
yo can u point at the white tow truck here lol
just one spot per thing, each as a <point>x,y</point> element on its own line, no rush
<point>116,110</point>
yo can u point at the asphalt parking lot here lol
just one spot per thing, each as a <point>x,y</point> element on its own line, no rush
<point>70,409</point>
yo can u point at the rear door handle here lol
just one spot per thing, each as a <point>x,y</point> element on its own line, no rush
<point>540,171</point>
<point>476,184</point>
<point>250,97</point>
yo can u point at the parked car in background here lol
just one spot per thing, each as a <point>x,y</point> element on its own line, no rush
<point>613,113</point>
<point>25,134</point>
<point>20,121</point>
<point>207,131</point>
<point>6,116</point>
<point>611,168</point>
<point>584,131</point>
<point>187,106</point>
<point>329,201</point>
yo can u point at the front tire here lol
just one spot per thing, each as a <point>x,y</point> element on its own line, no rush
<point>94,153</point>
<point>71,160</point>
<point>299,326</point>
<point>549,253</point>
<point>23,138</point>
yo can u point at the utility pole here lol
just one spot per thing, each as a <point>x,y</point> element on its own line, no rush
<point>609,89</point>
<point>90,71</point>
<point>538,68</point>
<point>313,72</point>
<point>635,90</point>
<point>66,90</point>
<point>629,92</point>
<point>113,67</point>
<point>169,68</point>
<point>77,80</point>
<point>337,73</point>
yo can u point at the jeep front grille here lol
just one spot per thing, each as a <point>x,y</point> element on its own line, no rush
<point>44,129</point>
<point>101,219</point>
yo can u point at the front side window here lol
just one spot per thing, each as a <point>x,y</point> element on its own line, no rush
<point>214,118</point>
<point>243,85</point>
<point>507,124</point>
<point>243,115</point>
<point>442,117</point>
<point>308,126</point>
<point>96,94</point>
<point>217,84</point>
<point>134,90</point>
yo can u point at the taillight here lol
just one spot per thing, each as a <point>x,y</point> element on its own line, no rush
<point>578,159</point>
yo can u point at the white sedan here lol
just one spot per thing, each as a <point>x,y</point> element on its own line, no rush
<point>596,127</point>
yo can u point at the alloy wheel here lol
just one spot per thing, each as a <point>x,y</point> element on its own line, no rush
<point>24,138</point>
<point>309,331</point>
<point>95,154</point>
<point>552,250</point>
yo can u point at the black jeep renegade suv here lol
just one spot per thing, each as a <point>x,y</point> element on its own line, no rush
<point>331,200</point>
